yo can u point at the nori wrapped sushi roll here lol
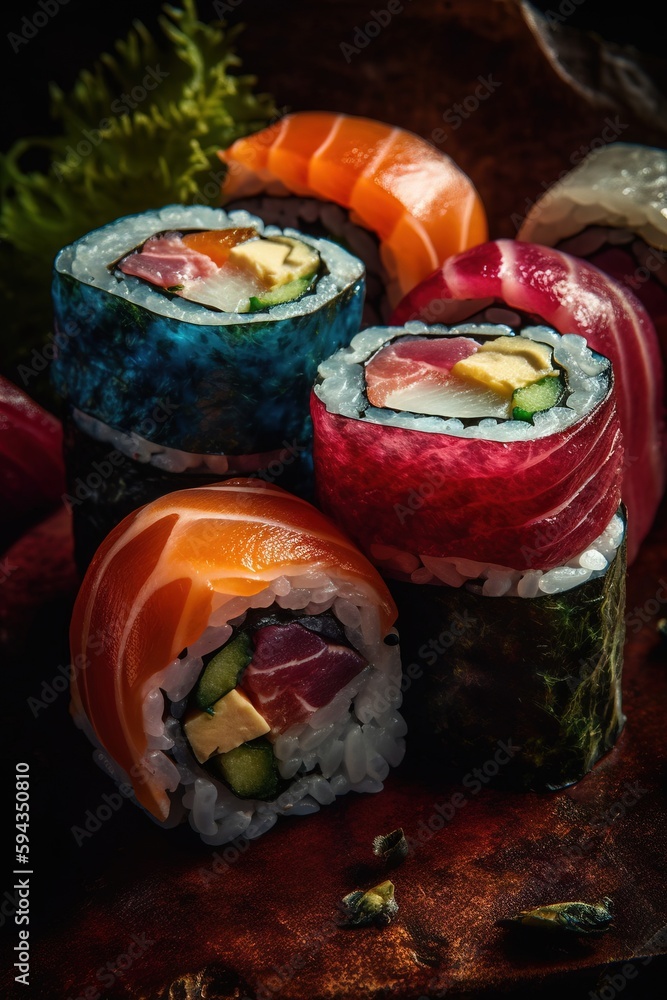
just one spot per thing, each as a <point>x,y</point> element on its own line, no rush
<point>480,469</point>
<point>541,674</point>
<point>188,339</point>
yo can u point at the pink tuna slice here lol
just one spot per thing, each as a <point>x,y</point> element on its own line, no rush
<point>414,374</point>
<point>424,361</point>
<point>622,265</point>
<point>294,672</point>
<point>573,297</point>
<point>166,261</point>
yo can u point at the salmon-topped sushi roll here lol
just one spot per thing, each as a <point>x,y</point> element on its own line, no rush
<point>240,660</point>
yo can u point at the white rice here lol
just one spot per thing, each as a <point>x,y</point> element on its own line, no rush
<point>348,745</point>
<point>89,259</point>
<point>342,385</point>
<point>493,580</point>
<point>619,184</point>
<point>140,449</point>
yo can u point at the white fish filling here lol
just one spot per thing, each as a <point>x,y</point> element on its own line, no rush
<point>348,745</point>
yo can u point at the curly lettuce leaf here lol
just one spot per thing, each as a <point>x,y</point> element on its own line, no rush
<point>138,131</point>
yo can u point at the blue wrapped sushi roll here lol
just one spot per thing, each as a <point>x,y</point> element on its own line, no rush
<point>188,339</point>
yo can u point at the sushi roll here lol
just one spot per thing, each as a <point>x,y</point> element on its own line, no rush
<point>240,660</point>
<point>479,467</point>
<point>188,339</point>
<point>610,210</point>
<point>519,283</point>
<point>389,195</point>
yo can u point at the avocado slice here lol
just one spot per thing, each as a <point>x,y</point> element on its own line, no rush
<point>284,293</point>
<point>536,397</point>
<point>222,673</point>
<point>506,364</point>
<point>277,260</point>
<point>231,721</point>
<point>250,770</point>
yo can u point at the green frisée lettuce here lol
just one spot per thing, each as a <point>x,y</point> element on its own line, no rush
<point>146,153</point>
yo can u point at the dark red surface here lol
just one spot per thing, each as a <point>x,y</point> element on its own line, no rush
<point>32,471</point>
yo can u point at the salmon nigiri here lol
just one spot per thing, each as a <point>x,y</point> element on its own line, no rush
<point>422,207</point>
<point>232,659</point>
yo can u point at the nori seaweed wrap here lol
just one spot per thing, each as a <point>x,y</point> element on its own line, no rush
<point>543,673</point>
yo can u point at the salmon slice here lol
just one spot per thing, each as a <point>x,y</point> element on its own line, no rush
<point>217,243</point>
<point>415,198</point>
<point>155,580</point>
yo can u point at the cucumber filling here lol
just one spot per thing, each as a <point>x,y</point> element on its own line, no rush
<point>277,669</point>
<point>250,771</point>
<point>537,397</point>
<point>223,671</point>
